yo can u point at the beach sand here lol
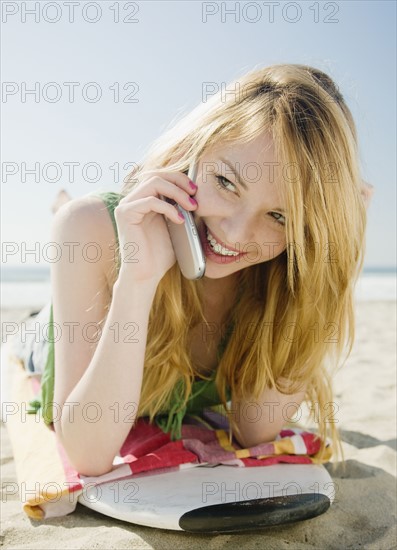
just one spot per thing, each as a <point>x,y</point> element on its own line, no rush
<point>363,514</point>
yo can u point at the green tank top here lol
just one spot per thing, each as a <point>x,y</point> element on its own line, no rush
<point>204,393</point>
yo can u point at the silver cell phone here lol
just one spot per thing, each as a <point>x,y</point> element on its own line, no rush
<point>185,239</point>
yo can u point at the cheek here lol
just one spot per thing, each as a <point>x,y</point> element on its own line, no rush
<point>282,243</point>
<point>206,198</point>
<point>280,249</point>
<point>273,245</point>
<point>282,239</point>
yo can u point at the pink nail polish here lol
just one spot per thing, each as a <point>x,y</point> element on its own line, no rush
<point>193,201</point>
<point>192,185</point>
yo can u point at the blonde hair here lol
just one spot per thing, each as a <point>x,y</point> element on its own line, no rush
<point>309,286</point>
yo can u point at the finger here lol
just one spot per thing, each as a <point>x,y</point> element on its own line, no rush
<point>161,188</point>
<point>134,212</point>
<point>178,178</point>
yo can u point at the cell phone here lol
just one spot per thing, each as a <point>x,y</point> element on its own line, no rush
<point>185,239</point>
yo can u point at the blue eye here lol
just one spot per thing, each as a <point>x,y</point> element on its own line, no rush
<point>222,185</point>
<point>278,220</point>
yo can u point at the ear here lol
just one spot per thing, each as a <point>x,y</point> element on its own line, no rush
<point>367,190</point>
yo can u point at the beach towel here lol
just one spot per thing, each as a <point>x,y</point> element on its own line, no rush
<point>49,486</point>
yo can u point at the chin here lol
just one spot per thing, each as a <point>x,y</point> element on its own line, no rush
<point>212,272</point>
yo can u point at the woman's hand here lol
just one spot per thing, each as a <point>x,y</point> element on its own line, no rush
<point>145,246</point>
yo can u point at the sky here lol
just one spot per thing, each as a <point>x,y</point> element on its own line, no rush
<point>110,77</point>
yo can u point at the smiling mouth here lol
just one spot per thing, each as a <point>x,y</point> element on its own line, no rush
<point>216,246</point>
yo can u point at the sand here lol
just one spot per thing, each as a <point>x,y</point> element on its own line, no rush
<point>363,514</point>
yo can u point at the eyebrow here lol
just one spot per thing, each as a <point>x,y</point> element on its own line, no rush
<point>241,182</point>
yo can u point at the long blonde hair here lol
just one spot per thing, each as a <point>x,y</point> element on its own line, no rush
<point>309,286</point>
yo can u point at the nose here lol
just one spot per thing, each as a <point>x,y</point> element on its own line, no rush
<point>240,227</point>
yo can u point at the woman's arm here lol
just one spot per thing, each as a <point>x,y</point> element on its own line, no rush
<point>103,380</point>
<point>97,383</point>
<point>260,421</point>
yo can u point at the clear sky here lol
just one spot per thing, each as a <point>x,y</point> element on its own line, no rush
<point>145,63</point>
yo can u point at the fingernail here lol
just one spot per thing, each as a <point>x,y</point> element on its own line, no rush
<point>193,201</point>
<point>192,185</point>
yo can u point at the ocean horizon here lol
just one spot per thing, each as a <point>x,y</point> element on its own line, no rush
<point>30,286</point>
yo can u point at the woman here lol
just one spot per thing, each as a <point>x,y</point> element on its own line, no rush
<point>278,202</point>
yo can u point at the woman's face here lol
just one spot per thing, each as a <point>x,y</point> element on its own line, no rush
<point>243,216</point>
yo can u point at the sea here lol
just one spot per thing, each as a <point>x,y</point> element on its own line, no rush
<point>29,287</point>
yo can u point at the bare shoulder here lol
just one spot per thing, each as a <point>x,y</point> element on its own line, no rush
<point>88,221</point>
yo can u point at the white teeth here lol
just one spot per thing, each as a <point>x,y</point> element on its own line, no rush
<point>217,248</point>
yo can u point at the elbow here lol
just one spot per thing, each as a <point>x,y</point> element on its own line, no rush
<point>86,465</point>
<point>247,440</point>
<point>92,470</point>
<point>89,467</point>
<point>248,443</point>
